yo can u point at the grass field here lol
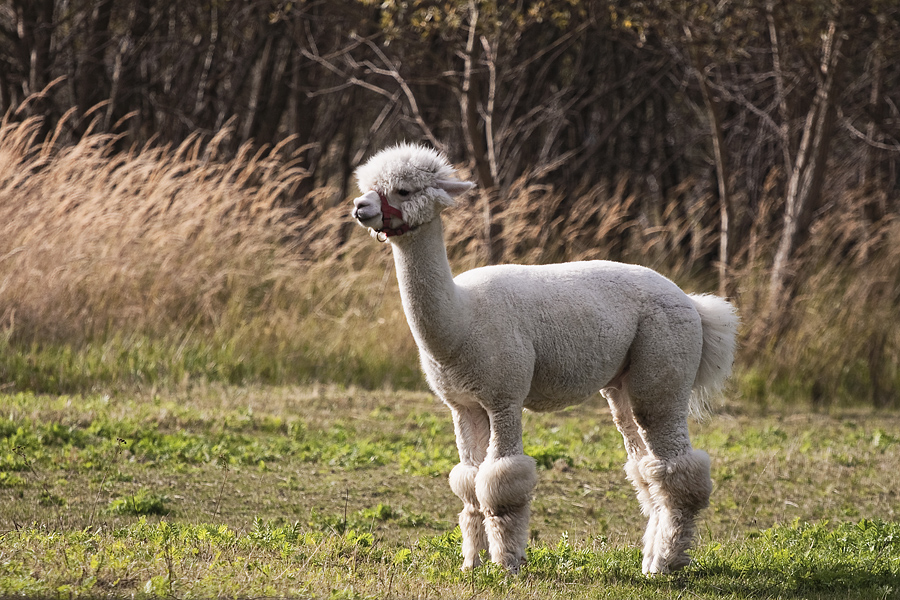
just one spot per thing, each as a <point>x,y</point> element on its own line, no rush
<point>188,291</point>
<point>325,492</point>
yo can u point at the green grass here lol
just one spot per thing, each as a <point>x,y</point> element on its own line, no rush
<point>224,357</point>
<point>324,492</point>
<point>161,558</point>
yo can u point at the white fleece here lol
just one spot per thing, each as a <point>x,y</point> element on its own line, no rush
<point>498,339</point>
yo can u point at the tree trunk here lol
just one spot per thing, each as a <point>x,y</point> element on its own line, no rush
<point>722,178</point>
<point>92,86</point>
<point>721,160</point>
<point>808,173</point>
<point>869,169</point>
<point>477,145</point>
<point>34,24</point>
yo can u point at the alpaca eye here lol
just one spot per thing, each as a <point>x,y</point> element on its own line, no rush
<point>403,193</point>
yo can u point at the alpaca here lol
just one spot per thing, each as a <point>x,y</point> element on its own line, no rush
<point>497,339</point>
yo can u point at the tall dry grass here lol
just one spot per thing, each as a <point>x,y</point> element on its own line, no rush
<point>841,336</point>
<point>157,265</point>
<point>162,261</point>
<point>93,241</point>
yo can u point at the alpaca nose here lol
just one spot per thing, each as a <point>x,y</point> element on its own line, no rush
<point>367,206</point>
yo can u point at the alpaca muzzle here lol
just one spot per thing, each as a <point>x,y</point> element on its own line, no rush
<point>374,205</point>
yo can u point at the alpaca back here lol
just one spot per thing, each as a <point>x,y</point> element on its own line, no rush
<point>720,323</point>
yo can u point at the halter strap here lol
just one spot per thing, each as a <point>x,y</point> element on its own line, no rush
<point>387,213</point>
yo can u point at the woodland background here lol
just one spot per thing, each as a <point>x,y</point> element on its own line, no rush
<point>175,176</point>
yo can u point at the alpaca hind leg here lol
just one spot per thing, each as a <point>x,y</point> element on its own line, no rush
<point>620,407</point>
<point>472,431</point>
<point>504,485</point>
<point>665,358</point>
<point>679,486</point>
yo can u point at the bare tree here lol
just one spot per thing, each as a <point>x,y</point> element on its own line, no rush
<point>807,174</point>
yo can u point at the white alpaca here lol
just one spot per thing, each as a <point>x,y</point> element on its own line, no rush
<point>498,339</point>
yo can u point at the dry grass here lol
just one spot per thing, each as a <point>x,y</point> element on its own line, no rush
<point>842,337</point>
<point>159,264</point>
<point>93,241</point>
<point>538,224</point>
<point>118,250</point>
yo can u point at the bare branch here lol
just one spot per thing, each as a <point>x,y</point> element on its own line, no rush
<point>785,129</point>
<point>390,105</point>
<point>410,97</point>
<point>488,115</point>
<point>349,80</point>
<point>895,147</point>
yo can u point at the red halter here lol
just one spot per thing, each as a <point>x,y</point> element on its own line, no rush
<point>387,213</point>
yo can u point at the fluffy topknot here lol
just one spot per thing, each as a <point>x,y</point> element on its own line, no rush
<point>404,166</point>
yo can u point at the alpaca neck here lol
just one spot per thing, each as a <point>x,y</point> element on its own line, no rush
<point>430,298</point>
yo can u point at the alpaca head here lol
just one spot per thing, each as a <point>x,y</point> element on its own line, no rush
<point>404,187</point>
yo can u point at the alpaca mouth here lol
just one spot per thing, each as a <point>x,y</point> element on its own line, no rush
<point>368,218</point>
<point>372,207</point>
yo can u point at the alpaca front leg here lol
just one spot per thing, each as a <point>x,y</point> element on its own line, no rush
<point>504,486</point>
<point>471,519</point>
<point>472,428</point>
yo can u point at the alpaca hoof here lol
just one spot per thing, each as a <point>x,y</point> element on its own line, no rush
<point>679,562</point>
<point>513,564</point>
<point>648,565</point>
<point>655,565</point>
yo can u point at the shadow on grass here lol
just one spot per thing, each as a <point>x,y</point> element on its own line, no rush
<point>844,581</point>
<point>800,561</point>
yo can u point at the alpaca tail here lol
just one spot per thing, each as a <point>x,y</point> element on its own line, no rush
<point>720,322</point>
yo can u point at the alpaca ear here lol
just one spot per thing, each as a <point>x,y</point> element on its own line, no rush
<point>455,187</point>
